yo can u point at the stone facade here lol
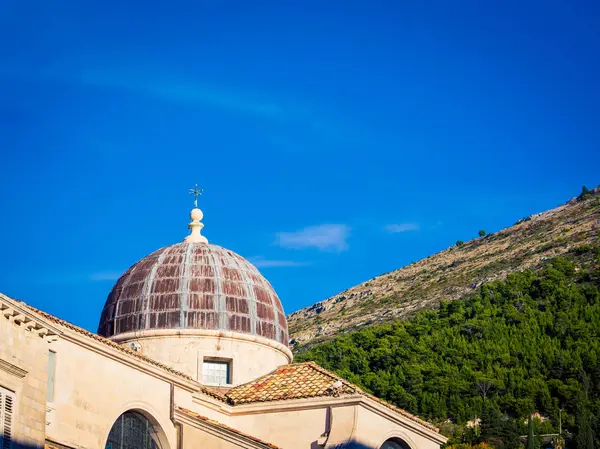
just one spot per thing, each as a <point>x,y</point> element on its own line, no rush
<point>24,349</point>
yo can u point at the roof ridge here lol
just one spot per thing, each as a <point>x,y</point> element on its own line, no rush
<point>322,370</point>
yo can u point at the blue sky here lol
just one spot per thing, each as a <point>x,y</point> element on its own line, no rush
<point>335,141</point>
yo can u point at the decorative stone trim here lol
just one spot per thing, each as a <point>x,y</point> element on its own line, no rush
<point>12,369</point>
<point>18,313</point>
<point>150,333</point>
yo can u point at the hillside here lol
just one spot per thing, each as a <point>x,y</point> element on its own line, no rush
<point>453,273</point>
<point>529,344</point>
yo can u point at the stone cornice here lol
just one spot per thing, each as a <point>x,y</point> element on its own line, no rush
<point>18,313</point>
<point>213,403</point>
<point>12,369</point>
<point>155,333</point>
<point>288,405</point>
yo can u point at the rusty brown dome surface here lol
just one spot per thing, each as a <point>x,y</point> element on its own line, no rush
<point>194,286</point>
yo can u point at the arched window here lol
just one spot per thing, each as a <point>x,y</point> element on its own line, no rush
<point>394,443</point>
<point>132,430</point>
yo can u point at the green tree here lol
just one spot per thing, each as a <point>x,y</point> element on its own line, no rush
<point>584,438</point>
<point>482,233</point>
<point>459,243</point>
<point>585,194</point>
<point>530,434</point>
<point>491,425</point>
<point>527,343</point>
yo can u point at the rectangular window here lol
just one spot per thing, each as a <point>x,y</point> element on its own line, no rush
<point>7,404</point>
<point>51,374</point>
<point>216,372</point>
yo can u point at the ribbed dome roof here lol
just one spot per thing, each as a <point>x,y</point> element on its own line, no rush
<point>194,285</point>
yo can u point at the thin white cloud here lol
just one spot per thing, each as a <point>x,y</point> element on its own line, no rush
<point>190,92</point>
<point>402,227</point>
<point>105,276</point>
<point>326,237</point>
<point>289,124</point>
<point>261,262</point>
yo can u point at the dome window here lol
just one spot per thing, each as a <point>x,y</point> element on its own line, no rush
<point>216,372</point>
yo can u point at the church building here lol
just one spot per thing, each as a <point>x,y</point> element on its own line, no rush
<point>191,353</point>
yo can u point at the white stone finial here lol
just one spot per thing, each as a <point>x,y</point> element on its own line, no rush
<point>196,226</point>
<point>196,217</point>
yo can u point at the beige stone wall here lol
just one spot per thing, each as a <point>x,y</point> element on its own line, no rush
<point>93,390</point>
<point>194,438</point>
<point>300,424</point>
<point>373,429</point>
<point>289,429</point>
<point>23,370</point>
<point>185,353</point>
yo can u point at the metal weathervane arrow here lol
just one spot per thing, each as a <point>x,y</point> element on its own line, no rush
<point>196,192</point>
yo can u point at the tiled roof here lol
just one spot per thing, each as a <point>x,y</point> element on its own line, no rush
<point>223,426</point>
<point>303,380</point>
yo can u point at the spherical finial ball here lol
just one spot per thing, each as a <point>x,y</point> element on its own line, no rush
<point>196,214</point>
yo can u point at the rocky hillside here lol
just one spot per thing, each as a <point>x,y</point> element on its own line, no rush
<point>453,273</point>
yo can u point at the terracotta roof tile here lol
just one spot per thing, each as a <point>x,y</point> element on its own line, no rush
<point>223,426</point>
<point>303,380</point>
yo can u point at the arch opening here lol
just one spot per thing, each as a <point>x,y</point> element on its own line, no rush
<point>132,430</point>
<point>395,443</point>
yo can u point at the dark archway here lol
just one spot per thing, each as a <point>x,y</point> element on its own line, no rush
<point>395,443</point>
<point>132,430</point>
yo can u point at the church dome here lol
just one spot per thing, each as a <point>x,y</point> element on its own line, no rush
<point>194,285</point>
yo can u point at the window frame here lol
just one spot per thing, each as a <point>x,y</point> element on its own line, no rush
<point>7,429</point>
<point>221,361</point>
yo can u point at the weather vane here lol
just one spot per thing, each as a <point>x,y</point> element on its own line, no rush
<point>196,191</point>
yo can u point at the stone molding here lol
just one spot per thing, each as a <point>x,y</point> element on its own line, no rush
<point>12,369</point>
<point>401,420</point>
<point>155,333</point>
<point>18,313</point>
<point>398,434</point>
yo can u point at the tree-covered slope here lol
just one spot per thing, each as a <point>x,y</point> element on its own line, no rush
<point>529,343</point>
<point>453,273</point>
